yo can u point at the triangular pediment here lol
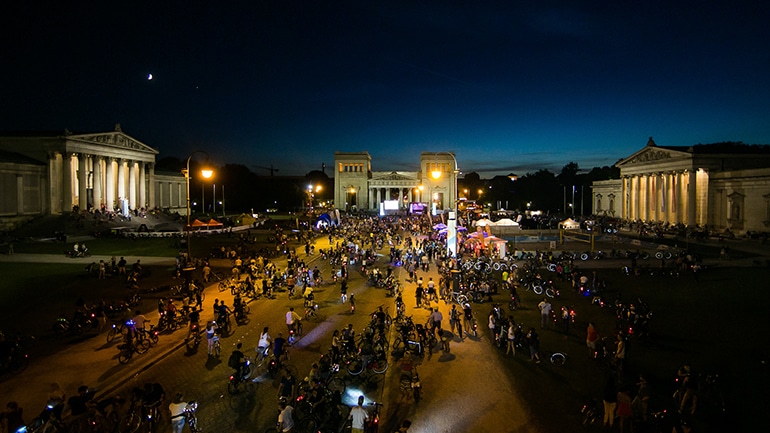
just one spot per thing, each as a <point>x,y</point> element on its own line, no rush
<point>115,139</point>
<point>394,175</point>
<point>652,155</point>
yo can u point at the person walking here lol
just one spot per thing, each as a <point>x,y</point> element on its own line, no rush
<point>358,416</point>
<point>545,312</point>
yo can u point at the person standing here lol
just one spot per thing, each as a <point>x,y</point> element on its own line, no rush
<point>511,336</point>
<point>177,408</point>
<point>620,355</point>
<point>467,318</point>
<point>591,337</point>
<point>624,410</point>
<point>445,337</point>
<point>641,400</point>
<point>359,416</point>
<point>534,345</point>
<point>211,331</point>
<point>610,402</point>
<point>435,320</point>
<point>454,321</point>
<point>545,312</point>
<point>12,417</point>
<point>285,417</point>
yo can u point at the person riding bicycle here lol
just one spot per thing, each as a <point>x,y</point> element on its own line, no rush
<point>292,318</point>
<point>171,310</point>
<point>279,347</point>
<point>431,292</point>
<point>237,361</point>
<point>238,306</point>
<point>264,342</point>
<point>222,313</point>
<point>135,325</point>
<point>194,318</point>
<point>308,295</point>
<point>316,274</point>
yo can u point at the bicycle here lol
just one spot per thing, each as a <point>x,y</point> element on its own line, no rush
<point>241,377</point>
<point>118,328</point>
<point>556,358</point>
<point>310,312</point>
<point>458,297</point>
<point>128,349</point>
<point>377,364</point>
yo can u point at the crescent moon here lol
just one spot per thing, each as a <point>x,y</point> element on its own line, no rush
<point>149,76</point>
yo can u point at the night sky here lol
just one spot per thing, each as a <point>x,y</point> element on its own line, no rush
<point>510,86</point>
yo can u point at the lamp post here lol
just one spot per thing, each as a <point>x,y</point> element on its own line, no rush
<point>206,173</point>
<point>451,239</point>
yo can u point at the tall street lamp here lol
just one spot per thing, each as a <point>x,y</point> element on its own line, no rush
<point>206,172</point>
<point>451,239</point>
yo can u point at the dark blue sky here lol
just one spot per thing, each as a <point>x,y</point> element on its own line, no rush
<point>510,86</point>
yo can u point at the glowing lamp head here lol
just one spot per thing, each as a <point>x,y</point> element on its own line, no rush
<point>436,174</point>
<point>207,173</point>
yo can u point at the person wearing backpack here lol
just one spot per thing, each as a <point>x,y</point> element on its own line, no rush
<point>237,361</point>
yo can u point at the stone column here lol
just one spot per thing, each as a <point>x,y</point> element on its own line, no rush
<point>409,196</point>
<point>151,184</point>
<point>676,207</point>
<point>132,204</point>
<point>142,186</point>
<point>82,181</point>
<point>121,179</point>
<point>67,183</point>
<point>400,197</point>
<point>634,198</point>
<point>369,197</point>
<point>110,190</point>
<point>691,198</point>
<point>624,198</point>
<point>98,198</point>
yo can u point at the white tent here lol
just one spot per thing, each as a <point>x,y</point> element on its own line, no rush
<point>506,222</point>
<point>569,224</point>
<point>483,222</point>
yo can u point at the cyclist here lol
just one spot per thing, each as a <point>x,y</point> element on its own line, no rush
<point>279,346</point>
<point>237,361</point>
<point>292,318</point>
<point>238,306</point>
<point>194,316</point>
<point>308,295</point>
<point>264,342</point>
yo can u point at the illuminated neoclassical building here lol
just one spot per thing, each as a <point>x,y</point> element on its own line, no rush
<point>356,186</point>
<point>721,186</point>
<point>50,173</point>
